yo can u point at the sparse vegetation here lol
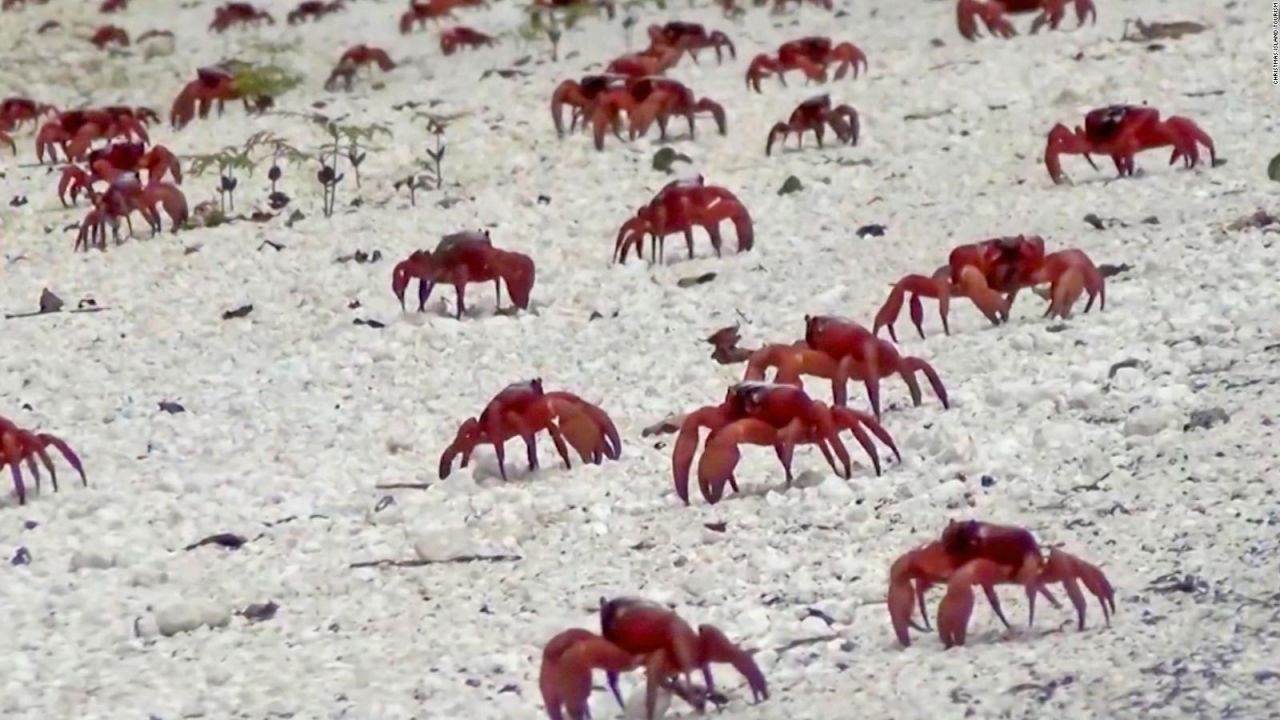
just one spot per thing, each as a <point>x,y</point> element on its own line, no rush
<point>232,159</point>
<point>415,182</point>
<point>262,83</point>
<point>349,137</point>
<point>329,179</point>
<point>434,175</point>
<point>551,23</point>
<point>436,126</point>
<point>228,161</point>
<point>344,141</point>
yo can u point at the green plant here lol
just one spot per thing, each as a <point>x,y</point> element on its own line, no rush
<point>262,81</point>
<point>343,138</point>
<point>436,125</point>
<point>228,160</point>
<point>436,128</point>
<point>557,21</point>
<point>281,150</point>
<point>231,159</point>
<point>414,182</point>
<point>353,135</point>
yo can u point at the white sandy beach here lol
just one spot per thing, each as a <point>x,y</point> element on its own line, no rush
<point>1082,429</point>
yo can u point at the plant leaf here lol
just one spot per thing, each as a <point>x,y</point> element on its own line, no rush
<point>264,80</point>
<point>665,157</point>
<point>1273,168</point>
<point>790,185</point>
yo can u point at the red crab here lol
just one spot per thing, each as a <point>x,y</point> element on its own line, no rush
<point>238,13</point>
<point>109,35</point>
<point>212,85</point>
<point>354,59</point>
<point>842,350</point>
<point>108,163</point>
<point>773,415</point>
<point>462,258</point>
<point>419,13</point>
<point>18,446</point>
<point>678,207</point>
<point>143,115</point>
<point>313,10</point>
<point>973,553</point>
<point>810,55</point>
<point>17,111</point>
<point>111,6</point>
<point>646,100</point>
<point>982,271</point>
<point>1122,131</point>
<point>76,130</point>
<point>454,38</point>
<point>690,38</point>
<point>568,660</point>
<point>992,14</point>
<point>581,95</point>
<point>668,647</point>
<point>522,410</point>
<point>1070,273</point>
<point>816,114</point>
<point>124,195</point>
<point>654,60</point>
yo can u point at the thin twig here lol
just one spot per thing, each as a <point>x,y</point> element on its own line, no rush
<point>422,563</point>
<point>37,313</point>
<point>806,641</point>
<point>404,486</point>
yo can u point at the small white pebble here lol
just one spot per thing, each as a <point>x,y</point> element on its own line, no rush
<point>1149,421</point>
<point>90,560</point>
<point>183,617</point>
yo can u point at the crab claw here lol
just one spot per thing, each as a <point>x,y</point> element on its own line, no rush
<point>721,454</point>
<point>761,66</point>
<point>469,435</point>
<point>957,603</point>
<point>717,648</point>
<point>1067,569</point>
<point>567,663</point>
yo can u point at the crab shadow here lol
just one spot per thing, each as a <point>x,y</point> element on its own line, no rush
<point>1104,178</point>
<point>676,251</point>
<point>447,310</point>
<point>811,148</point>
<point>808,479</point>
<point>486,474</point>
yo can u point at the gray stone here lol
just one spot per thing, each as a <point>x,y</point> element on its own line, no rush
<point>187,616</point>
<point>89,560</point>
<point>1148,421</point>
<point>1206,418</point>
